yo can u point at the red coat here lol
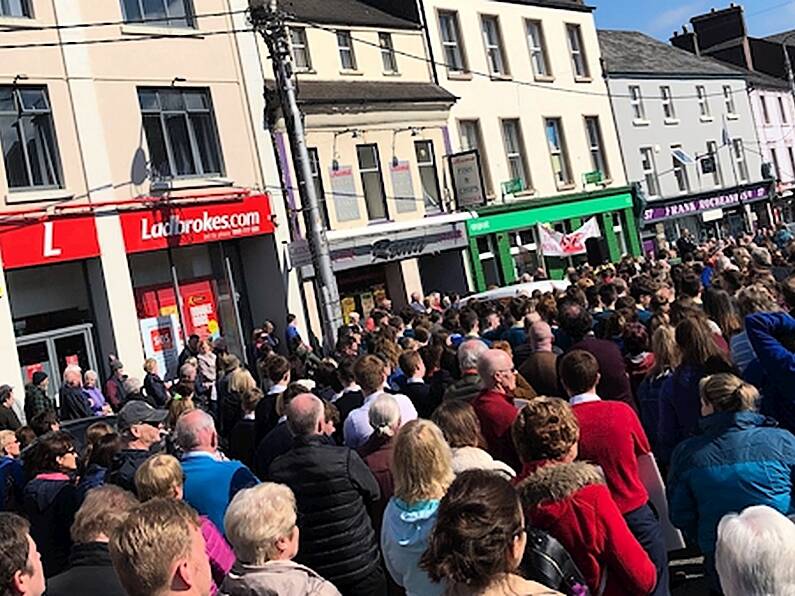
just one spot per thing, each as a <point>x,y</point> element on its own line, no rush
<point>572,503</point>
<point>496,413</point>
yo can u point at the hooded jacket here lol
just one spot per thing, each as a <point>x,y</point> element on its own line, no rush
<point>572,503</point>
<point>50,504</point>
<point>90,572</point>
<point>404,537</point>
<point>273,578</point>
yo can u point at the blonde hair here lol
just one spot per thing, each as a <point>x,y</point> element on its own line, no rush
<point>177,406</point>
<point>103,510</point>
<point>256,518</point>
<point>6,437</point>
<point>727,393</point>
<point>422,465</point>
<point>240,381</point>
<point>158,476</point>
<point>666,352</point>
<point>149,365</point>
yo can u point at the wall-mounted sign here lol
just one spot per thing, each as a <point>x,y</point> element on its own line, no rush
<point>513,186</point>
<point>467,176</point>
<point>594,177</point>
<point>53,240</point>
<point>656,211</point>
<point>403,186</point>
<point>343,193</point>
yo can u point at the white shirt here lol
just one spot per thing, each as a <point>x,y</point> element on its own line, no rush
<point>277,389</point>
<point>357,427</point>
<point>583,398</point>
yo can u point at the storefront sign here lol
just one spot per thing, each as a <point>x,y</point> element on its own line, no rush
<point>196,224</point>
<point>55,240</point>
<point>656,212</point>
<point>199,306</point>
<point>467,178</point>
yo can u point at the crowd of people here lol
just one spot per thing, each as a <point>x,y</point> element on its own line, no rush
<point>492,448</point>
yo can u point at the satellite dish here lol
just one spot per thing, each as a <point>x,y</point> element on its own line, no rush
<point>139,171</point>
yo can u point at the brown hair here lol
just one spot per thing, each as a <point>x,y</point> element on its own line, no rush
<point>158,476</point>
<point>14,549</point>
<point>102,511</point>
<point>422,464</point>
<point>727,393</point>
<point>695,340</point>
<point>477,522</point>
<point>369,373</point>
<point>666,352</point>
<point>545,428</point>
<point>276,367</point>
<point>250,399</point>
<point>43,455</point>
<point>177,406</point>
<point>409,362</point>
<point>459,424</point>
<point>579,371</point>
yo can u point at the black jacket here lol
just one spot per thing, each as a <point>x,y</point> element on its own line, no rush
<point>90,572</point>
<point>242,444</point>
<point>8,419</point>
<point>420,396</point>
<point>50,506</point>
<point>265,417</point>
<point>124,466</point>
<point>276,443</point>
<point>333,488</point>
<point>36,401</point>
<point>155,390</point>
<point>74,403</point>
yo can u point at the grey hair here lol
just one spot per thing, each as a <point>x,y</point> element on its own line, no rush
<point>91,373</point>
<point>469,353</point>
<point>132,385</point>
<point>190,426</point>
<point>754,553</point>
<point>302,422</point>
<point>384,415</point>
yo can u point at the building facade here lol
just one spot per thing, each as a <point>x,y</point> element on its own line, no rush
<point>688,137</point>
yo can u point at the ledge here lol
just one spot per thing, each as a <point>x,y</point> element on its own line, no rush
<point>195,182</point>
<point>7,23</point>
<point>459,76</point>
<point>544,78</point>
<point>706,119</point>
<point>160,31</point>
<point>732,116</point>
<point>671,121</point>
<point>15,197</point>
<point>641,122</point>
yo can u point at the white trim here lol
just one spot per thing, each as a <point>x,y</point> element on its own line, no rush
<point>412,224</point>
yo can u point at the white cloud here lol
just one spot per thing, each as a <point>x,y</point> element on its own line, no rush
<point>673,18</point>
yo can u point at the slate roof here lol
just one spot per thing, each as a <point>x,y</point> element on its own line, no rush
<point>343,12</point>
<point>564,4</point>
<point>632,52</point>
<point>779,37</point>
<point>369,92</point>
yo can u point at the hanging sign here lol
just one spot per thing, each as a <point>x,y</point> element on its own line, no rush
<point>467,177</point>
<point>555,244</point>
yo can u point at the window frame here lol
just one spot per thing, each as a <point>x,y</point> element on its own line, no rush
<point>190,15</point>
<point>651,172</point>
<point>345,34</point>
<point>303,46</point>
<point>782,110</point>
<point>463,123</point>
<point>520,152</point>
<point>776,164</point>
<point>561,152</point>
<point>717,176</point>
<point>738,155</point>
<point>317,181</point>
<point>599,148</point>
<point>728,100</point>
<point>765,109</point>
<point>538,49</point>
<point>636,102</point>
<point>494,48</point>
<point>387,53</point>
<point>432,208</point>
<point>376,170</point>
<point>791,154</point>
<point>703,102</point>
<point>680,172</point>
<point>457,45</point>
<point>25,5</point>
<point>578,52</point>
<point>669,111</point>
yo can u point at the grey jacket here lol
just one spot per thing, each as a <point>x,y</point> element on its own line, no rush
<point>275,578</point>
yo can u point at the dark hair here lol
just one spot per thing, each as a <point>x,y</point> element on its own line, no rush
<point>42,422</point>
<point>721,308</point>
<point>14,549</point>
<point>277,366</point>
<point>690,284</point>
<point>104,450</point>
<point>459,424</point>
<point>25,436</point>
<point>432,357</point>
<point>579,371</point>
<point>409,362</point>
<point>695,340</point>
<point>468,319</point>
<point>608,294</point>
<point>636,339</point>
<point>477,521</point>
<point>575,321</point>
<point>44,453</point>
<point>421,334</point>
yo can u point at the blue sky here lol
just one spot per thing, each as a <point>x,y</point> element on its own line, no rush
<point>661,17</point>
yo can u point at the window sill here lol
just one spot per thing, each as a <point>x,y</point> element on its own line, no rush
<point>351,73</point>
<point>305,71</point>
<point>706,119</point>
<point>132,29</point>
<point>14,197</point>
<point>583,79</point>
<point>671,121</point>
<point>459,76</point>
<point>640,122</point>
<point>527,192</point>
<point>732,116</point>
<point>501,77</point>
<point>544,78</point>
<point>19,23</point>
<point>392,74</point>
<point>192,182</point>
<point>567,186</point>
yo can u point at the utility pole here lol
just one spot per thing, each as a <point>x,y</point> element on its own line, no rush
<point>269,22</point>
<point>788,63</point>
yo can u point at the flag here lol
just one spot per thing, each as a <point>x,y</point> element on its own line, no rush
<point>555,244</point>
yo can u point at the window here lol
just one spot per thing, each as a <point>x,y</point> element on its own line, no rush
<point>300,47</point>
<point>180,132</point>
<point>388,58</point>
<point>492,37</point>
<point>596,145</point>
<point>15,8</point>
<point>27,136</point>
<point>317,182</point>
<point>650,171</point>
<point>538,49</point>
<point>579,61</point>
<point>765,111</point>
<point>451,43</point>
<point>667,103</point>
<point>345,46</point>
<point>703,103</point>
<point>738,149</point>
<point>429,175</point>
<point>636,100</point>
<point>162,13</point>
<point>372,181</point>
<point>728,98</point>
<point>557,151</point>
<point>776,165</point>
<point>782,110</point>
<point>791,155</point>
<point>680,172</point>
<point>472,139</point>
<point>515,152</point>
<point>712,151</point>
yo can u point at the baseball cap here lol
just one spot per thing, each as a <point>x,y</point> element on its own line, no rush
<point>138,412</point>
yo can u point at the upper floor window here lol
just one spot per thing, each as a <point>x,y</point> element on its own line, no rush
<point>317,182</point>
<point>765,111</point>
<point>558,152</point>
<point>472,139</point>
<point>515,152</point>
<point>776,164</point>
<point>649,167</point>
<point>180,132</point>
<point>538,49</point>
<point>27,136</point>
<point>388,58</point>
<point>429,176</point>
<point>782,110</point>
<point>454,55</point>
<point>717,174</point>
<point>162,13</point>
<point>728,98</point>
<point>680,170</point>
<point>667,103</point>
<point>579,61</point>
<point>15,8</point>
<point>636,100</point>
<point>372,181</point>
<point>300,47</point>
<point>738,152</point>
<point>703,102</point>
<point>345,46</point>
<point>596,144</point>
<point>492,37</point>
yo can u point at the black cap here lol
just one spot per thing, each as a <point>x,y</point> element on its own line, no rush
<point>137,412</point>
<point>38,377</point>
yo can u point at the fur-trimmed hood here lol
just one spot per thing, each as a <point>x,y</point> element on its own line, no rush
<point>556,482</point>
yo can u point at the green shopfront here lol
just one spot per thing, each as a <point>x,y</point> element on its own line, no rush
<point>503,242</point>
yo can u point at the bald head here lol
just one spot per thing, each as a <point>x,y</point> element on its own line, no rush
<point>195,431</point>
<point>541,337</point>
<point>305,415</point>
<point>496,371</point>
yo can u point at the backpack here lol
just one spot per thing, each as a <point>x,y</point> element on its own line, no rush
<point>547,562</point>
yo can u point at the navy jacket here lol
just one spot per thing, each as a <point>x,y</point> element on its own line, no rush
<point>50,506</point>
<point>680,409</point>
<point>74,403</point>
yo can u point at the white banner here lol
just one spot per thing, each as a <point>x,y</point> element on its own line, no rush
<point>555,244</point>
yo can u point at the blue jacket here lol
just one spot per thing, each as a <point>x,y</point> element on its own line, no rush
<point>404,537</point>
<point>648,399</point>
<point>211,484</point>
<point>741,459</point>
<point>680,409</point>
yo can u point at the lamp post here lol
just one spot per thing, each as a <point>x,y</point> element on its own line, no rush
<point>788,64</point>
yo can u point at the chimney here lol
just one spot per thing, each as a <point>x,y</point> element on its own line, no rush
<point>686,40</point>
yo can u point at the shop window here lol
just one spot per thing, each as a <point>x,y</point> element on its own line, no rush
<point>27,135</point>
<point>162,13</point>
<point>557,151</point>
<point>15,8</point>
<point>388,57</point>
<point>515,152</point>
<point>492,38</point>
<point>180,132</point>
<point>454,55</point>
<point>596,145</point>
<point>317,181</point>
<point>579,60</point>
<point>345,47</point>
<point>372,181</point>
<point>300,49</point>
<point>538,49</point>
<point>429,176</point>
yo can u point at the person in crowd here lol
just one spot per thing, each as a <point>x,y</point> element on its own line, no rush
<point>74,403</point>
<point>540,366</point>
<point>637,356</point>
<point>98,459</point>
<point>44,422</point>
<point>415,387</point>
<point>417,304</point>
<point>36,397</point>
<point>337,537</point>
<point>191,350</point>
<point>25,435</point>
<point>206,361</point>
<point>8,417</point>
<point>139,426</point>
<point>114,385</point>
<point>50,498</point>
<point>523,390</point>
<point>371,375</point>
<point>12,476</point>
<point>278,374</point>
<point>155,387</point>
<point>571,501</point>
<point>189,375</point>
<point>204,467</point>
<point>159,549</point>
<point>96,400</point>
<point>740,459</point>
<point>754,553</point>
<point>279,440</point>
<point>90,570</point>
<point>666,359</point>
<point>461,428</point>
<point>612,437</point>
<point>479,540</point>
<point>515,334</point>
<point>261,524</point>
<point>242,443</point>
<point>21,572</point>
<point>292,334</point>
<point>721,309</point>
<point>422,470</point>
<point>469,386</point>
<point>161,476</point>
<point>494,406</point>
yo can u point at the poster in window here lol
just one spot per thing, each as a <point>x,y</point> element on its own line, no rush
<point>162,342</point>
<point>403,186</point>
<point>343,192</point>
<point>467,175</point>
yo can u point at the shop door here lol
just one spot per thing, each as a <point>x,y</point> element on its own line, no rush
<point>53,351</point>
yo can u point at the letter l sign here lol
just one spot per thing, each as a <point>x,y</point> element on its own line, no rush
<point>49,249</point>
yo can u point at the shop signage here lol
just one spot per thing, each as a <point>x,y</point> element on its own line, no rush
<point>343,192</point>
<point>172,226</point>
<point>594,177</point>
<point>467,177</point>
<point>55,240</point>
<point>162,342</point>
<point>656,212</point>
<point>513,186</point>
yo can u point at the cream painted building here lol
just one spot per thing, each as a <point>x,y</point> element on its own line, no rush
<point>132,201</point>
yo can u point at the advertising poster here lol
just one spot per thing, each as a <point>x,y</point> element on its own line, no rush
<point>161,341</point>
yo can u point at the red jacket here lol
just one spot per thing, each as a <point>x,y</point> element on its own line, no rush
<point>571,502</point>
<point>496,413</point>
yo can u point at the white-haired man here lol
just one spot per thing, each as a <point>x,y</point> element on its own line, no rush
<point>468,386</point>
<point>74,403</point>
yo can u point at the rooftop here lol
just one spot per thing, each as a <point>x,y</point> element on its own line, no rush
<point>369,92</point>
<point>344,12</point>
<point>779,37</point>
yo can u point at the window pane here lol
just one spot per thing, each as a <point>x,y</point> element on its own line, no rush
<point>147,99</point>
<point>14,8</point>
<point>33,99</point>
<point>41,150</point>
<point>155,9</point>
<point>16,172</point>
<point>208,147</point>
<point>158,156</point>
<point>172,99</point>
<point>374,195</point>
<point>132,10</point>
<point>428,174</point>
<point>196,100</point>
<point>7,100</point>
<point>177,129</point>
<point>367,157</point>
